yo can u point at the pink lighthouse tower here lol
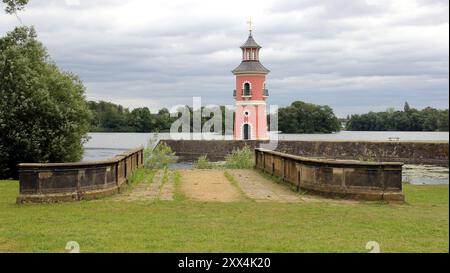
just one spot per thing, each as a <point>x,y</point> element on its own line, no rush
<point>250,120</point>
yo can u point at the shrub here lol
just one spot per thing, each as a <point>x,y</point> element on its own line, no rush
<point>203,163</point>
<point>240,159</point>
<point>159,157</point>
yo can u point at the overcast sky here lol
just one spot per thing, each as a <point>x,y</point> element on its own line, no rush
<point>354,55</point>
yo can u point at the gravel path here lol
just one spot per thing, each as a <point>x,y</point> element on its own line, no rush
<point>260,188</point>
<point>213,186</point>
<point>208,186</point>
<point>162,187</point>
<point>168,187</point>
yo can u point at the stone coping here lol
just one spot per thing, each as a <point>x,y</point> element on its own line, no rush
<point>111,160</point>
<point>338,162</point>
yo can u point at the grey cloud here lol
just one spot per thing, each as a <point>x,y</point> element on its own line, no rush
<point>353,55</point>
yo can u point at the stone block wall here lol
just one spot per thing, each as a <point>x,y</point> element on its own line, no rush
<point>347,179</point>
<point>431,153</point>
<point>57,182</point>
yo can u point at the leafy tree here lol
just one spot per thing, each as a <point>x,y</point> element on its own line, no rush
<point>406,108</point>
<point>163,120</point>
<point>302,117</point>
<point>142,120</point>
<point>443,121</point>
<point>12,6</point>
<point>109,117</point>
<point>43,113</point>
<point>429,119</point>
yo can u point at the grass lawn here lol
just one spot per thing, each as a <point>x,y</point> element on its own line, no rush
<point>108,225</point>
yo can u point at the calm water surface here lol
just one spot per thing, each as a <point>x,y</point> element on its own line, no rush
<point>105,145</point>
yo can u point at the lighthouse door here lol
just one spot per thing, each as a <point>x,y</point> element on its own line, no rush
<point>246,131</point>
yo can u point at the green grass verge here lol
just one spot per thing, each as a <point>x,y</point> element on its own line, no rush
<point>142,175</point>
<point>181,225</point>
<point>165,178</point>
<point>178,195</point>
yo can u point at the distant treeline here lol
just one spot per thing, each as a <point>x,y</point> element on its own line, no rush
<point>410,119</point>
<point>110,117</point>
<point>300,117</point>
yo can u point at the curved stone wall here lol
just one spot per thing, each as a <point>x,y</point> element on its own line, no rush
<point>58,182</point>
<point>344,178</point>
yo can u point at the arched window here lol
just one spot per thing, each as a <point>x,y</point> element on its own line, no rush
<point>247,91</point>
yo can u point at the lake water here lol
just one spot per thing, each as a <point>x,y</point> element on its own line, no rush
<point>105,145</point>
<point>132,140</point>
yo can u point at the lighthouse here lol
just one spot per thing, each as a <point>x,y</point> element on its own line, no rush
<point>250,121</point>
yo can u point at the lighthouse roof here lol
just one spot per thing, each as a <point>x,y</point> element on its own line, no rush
<point>247,67</point>
<point>250,43</point>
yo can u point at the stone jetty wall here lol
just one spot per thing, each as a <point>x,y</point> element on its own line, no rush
<point>58,182</point>
<point>348,179</point>
<point>430,153</point>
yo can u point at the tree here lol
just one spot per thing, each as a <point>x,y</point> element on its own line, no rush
<point>406,107</point>
<point>141,120</point>
<point>301,117</point>
<point>12,6</point>
<point>443,121</point>
<point>43,113</point>
<point>163,120</point>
